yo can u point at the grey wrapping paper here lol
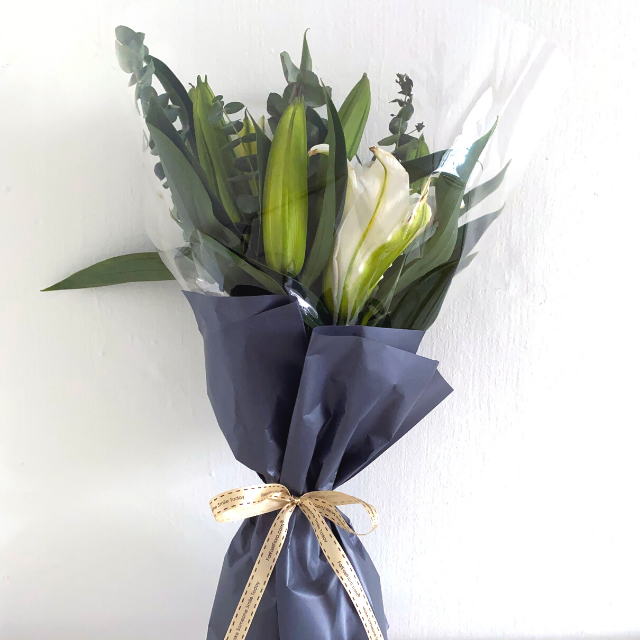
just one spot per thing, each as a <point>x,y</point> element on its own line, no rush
<point>309,413</point>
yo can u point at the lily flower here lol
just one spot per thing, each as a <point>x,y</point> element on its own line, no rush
<point>381,219</point>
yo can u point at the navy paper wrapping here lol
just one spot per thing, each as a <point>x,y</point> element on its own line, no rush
<point>309,414</point>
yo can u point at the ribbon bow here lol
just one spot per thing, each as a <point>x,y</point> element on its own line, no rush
<point>316,506</point>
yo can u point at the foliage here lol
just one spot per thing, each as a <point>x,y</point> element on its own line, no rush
<point>262,215</point>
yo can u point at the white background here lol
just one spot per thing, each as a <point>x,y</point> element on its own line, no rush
<point>516,504</point>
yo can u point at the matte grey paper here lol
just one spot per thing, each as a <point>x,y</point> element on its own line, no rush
<point>309,413</point>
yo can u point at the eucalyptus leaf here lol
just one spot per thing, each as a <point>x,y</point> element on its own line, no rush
<point>244,163</point>
<point>389,140</point>
<point>248,204</point>
<point>290,70</point>
<point>314,95</point>
<point>244,177</point>
<point>232,127</point>
<point>134,267</point>
<point>233,107</point>
<point>130,60</point>
<point>276,105</point>
<point>233,144</point>
<point>314,118</point>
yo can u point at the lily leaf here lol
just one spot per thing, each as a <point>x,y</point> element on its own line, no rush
<point>449,192</point>
<point>189,194</point>
<point>333,198</point>
<point>156,117</point>
<point>418,306</point>
<point>425,166</point>
<point>179,96</point>
<point>133,267</point>
<point>305,61</point>
<point>354,113</point>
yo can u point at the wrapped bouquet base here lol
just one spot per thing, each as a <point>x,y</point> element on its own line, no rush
<point>314,264</point>
<point>307,413</point>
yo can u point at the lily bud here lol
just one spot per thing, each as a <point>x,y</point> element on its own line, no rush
<point>284,212</point>
<point>354,113</point>
<point>381,218</point>
<point>248,148</point>
<point>215,160</point>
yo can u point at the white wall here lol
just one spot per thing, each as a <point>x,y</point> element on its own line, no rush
<point>517,513</point>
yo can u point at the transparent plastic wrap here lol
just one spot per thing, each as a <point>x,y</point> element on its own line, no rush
<point>293,203</point>
<point>278,225</point>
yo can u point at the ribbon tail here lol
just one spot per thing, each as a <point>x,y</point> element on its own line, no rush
<point>260,575</point>
<point>343,568</point>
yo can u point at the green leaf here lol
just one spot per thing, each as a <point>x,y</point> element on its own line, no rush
<point>276,105</point>
<point>314,118</point>
<point>228,262</point>
<point>421,304</point>
<point>233,107</point>
<point>305,60</point>
<point>354,113</point>
<point>179,96</point>
<point>134,267</point>
<point>232,127</point>
<point>248,204</point>
<point>418,306</point>
<point>290,70</point>
<point>313,95</point>
<point>333,199</point>
<point>425,166</point>
<point>189,195</point>
<point>449,192</point>
<point>263,146</point>
<point>211,140</point>
<point>389,140</point>
<point>244,163</point>
<point>421,150</point>
<point>156,117</point>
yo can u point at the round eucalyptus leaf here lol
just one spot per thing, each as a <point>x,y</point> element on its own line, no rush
<point>129,59</point>
<point>233,107</point>
<point>232,127</point>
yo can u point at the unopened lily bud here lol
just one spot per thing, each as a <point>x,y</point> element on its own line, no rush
<point>284,213</point>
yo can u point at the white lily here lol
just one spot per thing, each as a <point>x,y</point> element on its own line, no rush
<point>381,218</point>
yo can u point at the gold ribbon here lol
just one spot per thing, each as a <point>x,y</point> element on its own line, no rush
<point>316,506</point>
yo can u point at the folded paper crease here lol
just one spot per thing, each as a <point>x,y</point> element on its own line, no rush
<point>309,414</point>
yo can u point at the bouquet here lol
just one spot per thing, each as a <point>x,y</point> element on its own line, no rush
<point>313,267</point>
